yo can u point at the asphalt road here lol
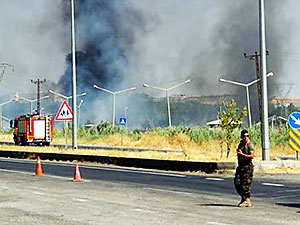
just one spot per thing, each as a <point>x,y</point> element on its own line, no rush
<point>125,196</point>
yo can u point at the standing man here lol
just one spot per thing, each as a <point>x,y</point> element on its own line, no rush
<point>244,171</point>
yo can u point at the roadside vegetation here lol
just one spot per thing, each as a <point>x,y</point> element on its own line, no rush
<point>193,143</point>
<point>180,143</point>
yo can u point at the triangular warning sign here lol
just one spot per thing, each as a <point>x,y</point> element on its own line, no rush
<point>64,112</point>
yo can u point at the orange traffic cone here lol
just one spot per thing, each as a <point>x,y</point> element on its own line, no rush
<point>77,176</point>
<point>38,169</point>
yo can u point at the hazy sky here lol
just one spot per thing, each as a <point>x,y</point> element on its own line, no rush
<point>159,42</point>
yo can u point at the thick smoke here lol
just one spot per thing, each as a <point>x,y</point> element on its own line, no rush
<point>121,44</point>
<point>33,41</point>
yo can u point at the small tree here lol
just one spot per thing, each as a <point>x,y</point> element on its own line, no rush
<point>230,119</point>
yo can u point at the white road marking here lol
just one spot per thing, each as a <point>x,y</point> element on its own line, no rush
<point>168,191</point>
<point>273,184</point>
<point>143,210</point>
<point>133,171</point>
<point>38,193</point>
<point>81,200</point>
<point>217,223</point>
<point>5,187</point>
<point>214,178</point>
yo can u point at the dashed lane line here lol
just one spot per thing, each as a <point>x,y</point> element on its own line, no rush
<point>217,223</point>
<point>168,191</point>
<point>273,184</point>
<point>214,178</point>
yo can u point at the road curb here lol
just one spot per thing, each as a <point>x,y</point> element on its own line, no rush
<point>263,165</point>
<point>172,165</point>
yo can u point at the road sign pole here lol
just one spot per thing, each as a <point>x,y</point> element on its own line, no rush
<point>122,136</point>
<point>64,114</point>
<point>168,108</point>
<point>114,110</point>
<point>66,134</point>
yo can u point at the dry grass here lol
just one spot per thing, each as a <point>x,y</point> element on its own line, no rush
<point>207,151</point>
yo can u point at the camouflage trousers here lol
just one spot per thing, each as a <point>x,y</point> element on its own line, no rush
<point>243,180</point>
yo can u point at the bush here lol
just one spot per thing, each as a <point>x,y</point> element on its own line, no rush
<point>278,136</point>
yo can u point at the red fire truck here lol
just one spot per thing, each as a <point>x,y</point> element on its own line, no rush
<point>32,128</point>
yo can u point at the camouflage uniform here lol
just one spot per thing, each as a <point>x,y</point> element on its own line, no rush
<point>244,171</point>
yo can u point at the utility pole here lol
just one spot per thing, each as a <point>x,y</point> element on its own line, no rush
<point>3,67</point>
<point>256,58</point>
<point>38,82</point>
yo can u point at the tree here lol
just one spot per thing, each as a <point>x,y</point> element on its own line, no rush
<point>230,119</point>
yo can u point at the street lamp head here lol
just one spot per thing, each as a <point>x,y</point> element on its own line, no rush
<point>222,80</point>
<point>270,74</point>
<point>133,88</point>
<point>145,85</point>
<point>188,81</point>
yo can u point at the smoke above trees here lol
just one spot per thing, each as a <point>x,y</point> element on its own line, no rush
<point>121,44</point>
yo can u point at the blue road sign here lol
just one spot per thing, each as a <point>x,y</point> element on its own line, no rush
<point>294,120</point>
<point>123,121</point>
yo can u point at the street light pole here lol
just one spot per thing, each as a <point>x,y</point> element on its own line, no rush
<point>74,130</point>
<point>66,97</point>
<point>79,106</point>
<point>169,110</point>
<point>248,106</point>
<point>31,101</point>
<point>1,105</point>
<point>167,96</point>
<point>246,85</point>
<point>114,98</point>
<point>263,65</point>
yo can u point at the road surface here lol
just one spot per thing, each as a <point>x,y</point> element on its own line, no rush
<point>125,196</point>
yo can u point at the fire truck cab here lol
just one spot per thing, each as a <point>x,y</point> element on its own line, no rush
<point>32,129</point>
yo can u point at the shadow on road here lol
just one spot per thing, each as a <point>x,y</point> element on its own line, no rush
<point>289,204</point>
<point>217,205</point>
